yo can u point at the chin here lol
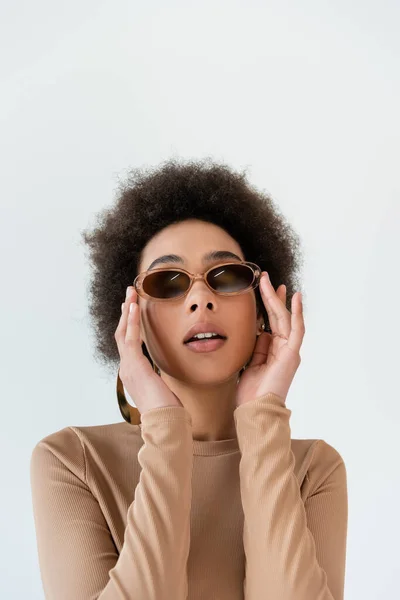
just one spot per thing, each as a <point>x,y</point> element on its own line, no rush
<point>213,374</point>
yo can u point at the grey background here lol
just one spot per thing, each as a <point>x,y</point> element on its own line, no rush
<point>306,96</point>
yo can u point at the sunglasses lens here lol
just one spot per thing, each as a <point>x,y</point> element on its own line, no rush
<point>230,278</point>
<point>166,284</point>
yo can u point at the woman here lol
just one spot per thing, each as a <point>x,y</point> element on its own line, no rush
<point>200,492</point>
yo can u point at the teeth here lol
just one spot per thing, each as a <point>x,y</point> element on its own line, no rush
<point>200,336</point>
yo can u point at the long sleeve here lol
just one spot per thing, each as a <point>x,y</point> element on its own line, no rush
<point>77,556</point>
<point>294,550</point>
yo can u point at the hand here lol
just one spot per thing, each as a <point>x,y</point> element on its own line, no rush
<point>145,387</point>
<point>276,356</point>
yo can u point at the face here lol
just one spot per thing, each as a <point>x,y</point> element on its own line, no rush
<point>163,325</point>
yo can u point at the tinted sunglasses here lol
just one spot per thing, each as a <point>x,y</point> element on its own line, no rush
<point>227,279</point>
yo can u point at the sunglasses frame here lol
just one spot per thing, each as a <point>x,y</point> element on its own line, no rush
<point>138,282</point>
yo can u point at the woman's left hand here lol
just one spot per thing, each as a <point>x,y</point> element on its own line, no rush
<point>276,356</point>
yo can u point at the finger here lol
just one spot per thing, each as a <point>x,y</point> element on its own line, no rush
<point>128,313</point>
<point>297,324</point>
<point>281,293</point>
<point>132,331</point>
<point>120,332</point>
<point>278,315</point>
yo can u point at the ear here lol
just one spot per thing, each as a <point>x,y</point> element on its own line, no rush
<point>260,319</point>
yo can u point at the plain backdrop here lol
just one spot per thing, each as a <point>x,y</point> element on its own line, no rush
<point>306,97</point>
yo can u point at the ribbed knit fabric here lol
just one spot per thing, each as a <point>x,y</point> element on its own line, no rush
<point>144,512</point>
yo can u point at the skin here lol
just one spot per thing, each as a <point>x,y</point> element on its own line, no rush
<point>205,383</point>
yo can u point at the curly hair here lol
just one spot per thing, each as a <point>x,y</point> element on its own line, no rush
<point>151,198</point>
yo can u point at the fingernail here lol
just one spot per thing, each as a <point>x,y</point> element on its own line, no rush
<point>128,291</point>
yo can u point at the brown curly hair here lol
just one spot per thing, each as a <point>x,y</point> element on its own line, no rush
<point>152,198</point>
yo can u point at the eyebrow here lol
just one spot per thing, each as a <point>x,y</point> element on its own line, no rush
<point>208,257</point>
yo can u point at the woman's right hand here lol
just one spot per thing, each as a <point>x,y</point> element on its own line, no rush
<point>144,386</point>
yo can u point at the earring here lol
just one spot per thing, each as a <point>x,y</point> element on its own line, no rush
<point>262,327</point>
<point>129,412</point>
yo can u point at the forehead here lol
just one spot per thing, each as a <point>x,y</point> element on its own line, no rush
<point>190,239</point>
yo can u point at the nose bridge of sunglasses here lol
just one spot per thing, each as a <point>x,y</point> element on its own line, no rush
<point>198,277</point>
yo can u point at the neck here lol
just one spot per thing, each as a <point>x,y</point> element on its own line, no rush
<point>210,407</point>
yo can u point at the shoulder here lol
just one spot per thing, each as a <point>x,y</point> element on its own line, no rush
<point>60,449</point>
<point>72,445</point>
<point>316,460</point>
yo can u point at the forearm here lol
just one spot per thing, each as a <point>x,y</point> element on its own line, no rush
<point>281,560</point>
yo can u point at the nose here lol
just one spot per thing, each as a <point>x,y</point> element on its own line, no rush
<point>200,296</point>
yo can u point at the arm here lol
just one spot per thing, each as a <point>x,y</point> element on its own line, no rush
<point>294,550</point>
<point>77,556</point>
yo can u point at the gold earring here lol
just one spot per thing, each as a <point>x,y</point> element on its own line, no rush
<point>130,413</point>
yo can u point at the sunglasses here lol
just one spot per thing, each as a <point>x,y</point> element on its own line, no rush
<point>227,279</point>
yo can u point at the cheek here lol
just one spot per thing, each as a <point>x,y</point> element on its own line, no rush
<point>163,339</point>
<point>243,317</point>
<point>158,323</point>
<point>241,324</point>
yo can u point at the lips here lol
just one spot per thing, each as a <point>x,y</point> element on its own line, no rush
<point>204,327</point>
<point>206,345</point>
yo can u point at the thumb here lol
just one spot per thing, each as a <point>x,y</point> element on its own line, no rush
<point>260,351</point>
